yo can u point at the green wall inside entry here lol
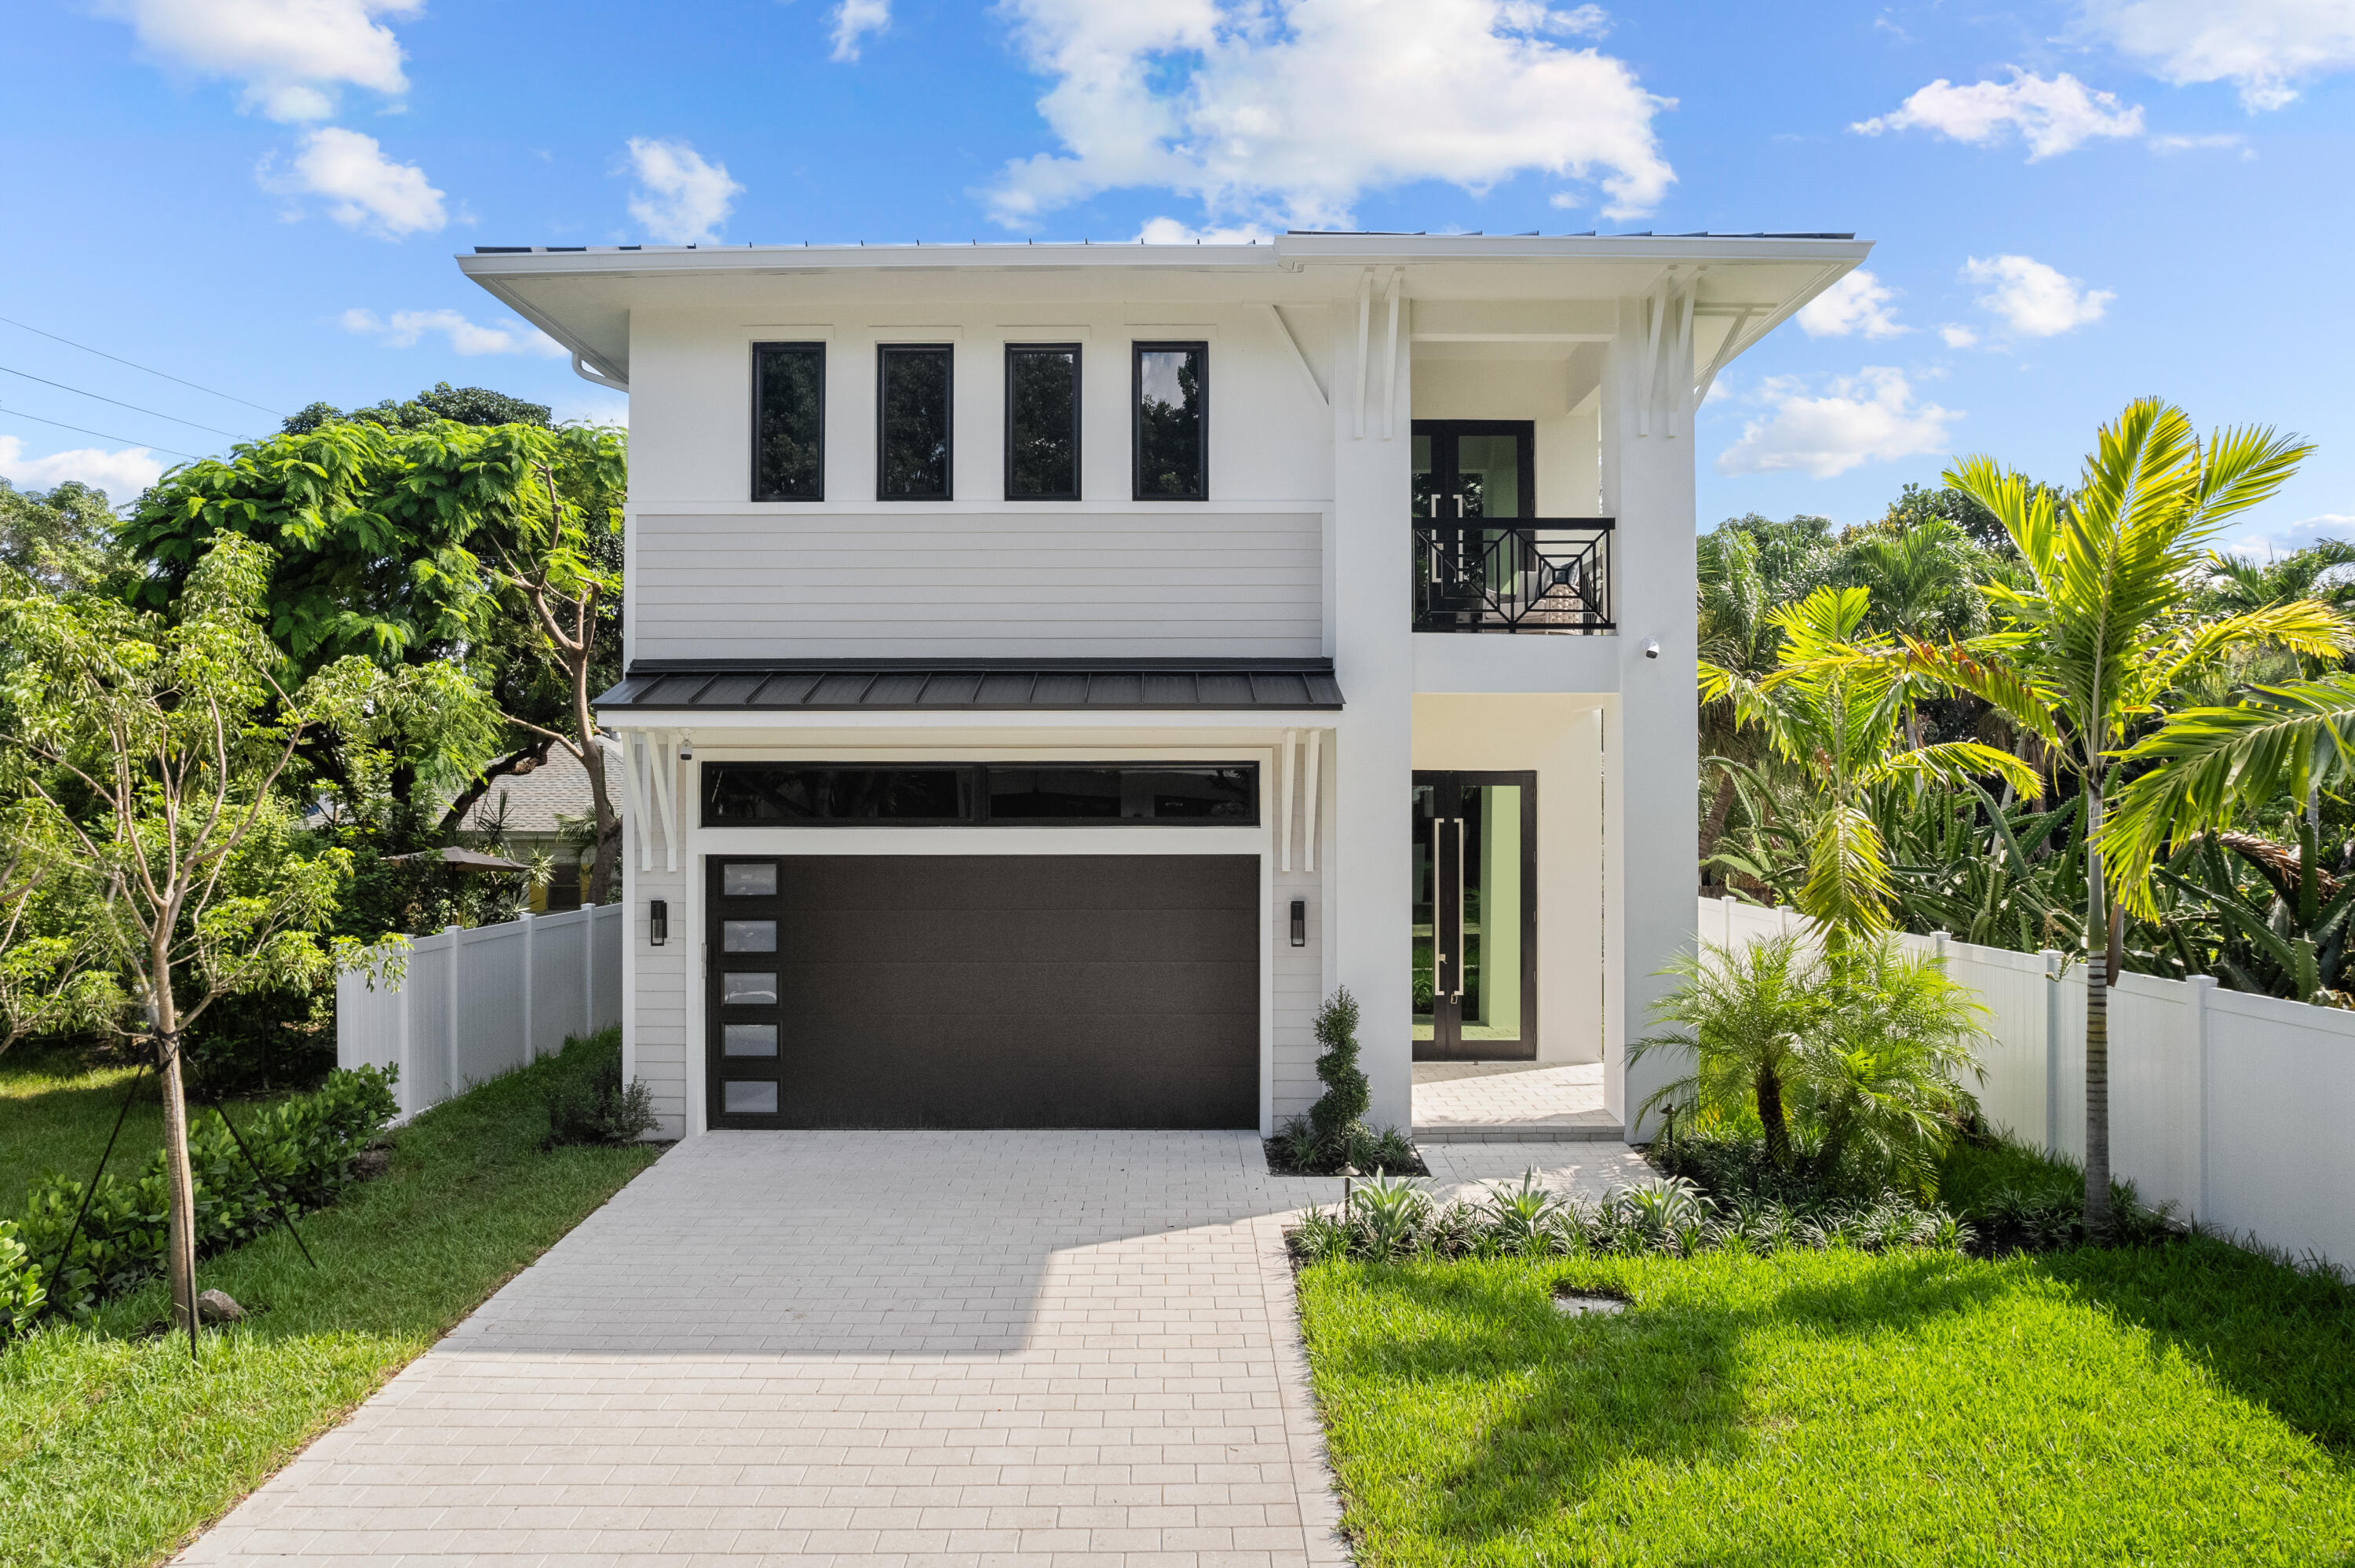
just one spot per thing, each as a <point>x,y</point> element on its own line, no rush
<point>1501,916</point>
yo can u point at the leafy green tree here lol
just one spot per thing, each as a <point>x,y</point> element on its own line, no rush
<point>1834,709</point>
<point>2099,636</point>
<point>460,405</point>
<point>387,543</point>
<point>61,538</point>
<point>150,747</point>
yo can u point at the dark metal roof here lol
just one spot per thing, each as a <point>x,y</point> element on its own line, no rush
<point>802,685</point>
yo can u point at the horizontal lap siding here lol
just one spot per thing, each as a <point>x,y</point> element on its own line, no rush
<point>660,976</point>
<point>790,584</point>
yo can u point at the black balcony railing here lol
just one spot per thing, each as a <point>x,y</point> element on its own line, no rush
<point>1540,573</point>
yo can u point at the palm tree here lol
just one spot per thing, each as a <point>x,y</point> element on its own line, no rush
<point>2098,638</point>
<point>1834,708</point>
<point>1745,1014</point>
<point>1748,569</point>
<point>1868,1053</point>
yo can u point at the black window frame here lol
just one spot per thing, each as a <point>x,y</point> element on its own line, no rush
<point>713,772</point>
<point>1138,350</point>
<point>757,375</point>
<point>978,795</point>
<point>883,354</point>
<point>1079,479</point>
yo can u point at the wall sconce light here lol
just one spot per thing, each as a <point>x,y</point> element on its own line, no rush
<point>657,922</point>
<point>1300,922</point>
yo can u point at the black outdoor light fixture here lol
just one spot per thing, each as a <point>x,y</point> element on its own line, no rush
<point>657,922</point>
<point>1300,922</point>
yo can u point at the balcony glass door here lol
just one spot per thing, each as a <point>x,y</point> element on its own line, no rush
<point>1475,917</point>
<point>1465,472</point>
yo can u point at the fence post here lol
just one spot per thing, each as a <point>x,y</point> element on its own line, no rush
<point>1783,913</point>
<point>401,1015</point>
<point>2055,967</point>
<point>530,1040</point>
<point>588,971</point>
<point>2202,988</point>
<point>451,997</point>
<point>1939,940</point>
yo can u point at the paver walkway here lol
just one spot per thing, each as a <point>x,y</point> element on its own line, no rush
<point>1470,1101</point>
<point>870,1350</point>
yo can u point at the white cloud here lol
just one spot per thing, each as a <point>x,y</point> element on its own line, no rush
<point>2177,143</point>
<point>1171,231</point>
<point>123,474</point>
<point>681,198</point>
<point>1869,417</point>
<point>290,53</point>
<point>853,20</point>
<point>2266,544</point>
<point>2262,47</point>
<point>403,328</point>
<point>1956,336</point>
<point>1285,111</point>
<point>364,188</point>
<point>2034,300</point>
<point>1859,302</point>
<point>2052,117</point>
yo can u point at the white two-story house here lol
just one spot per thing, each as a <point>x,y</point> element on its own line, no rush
<point>1052,669</point>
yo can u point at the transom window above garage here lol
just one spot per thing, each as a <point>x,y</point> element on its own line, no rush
<point>1053,794</point>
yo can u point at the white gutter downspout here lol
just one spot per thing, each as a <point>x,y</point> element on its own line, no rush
<point>588,371</point>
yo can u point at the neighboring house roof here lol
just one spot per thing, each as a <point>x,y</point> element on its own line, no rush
<point>559,787</point>
<point>979,685</point>
<point>464,859</point>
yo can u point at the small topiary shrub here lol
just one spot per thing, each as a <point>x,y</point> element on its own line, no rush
<point>589,1103</point>
<point>1333,1136</point>
<point>1334,1116</point>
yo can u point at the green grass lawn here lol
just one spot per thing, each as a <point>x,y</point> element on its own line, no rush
<point>2190,1404</point>
<point>56,1110</point>
<point>115,1446</point>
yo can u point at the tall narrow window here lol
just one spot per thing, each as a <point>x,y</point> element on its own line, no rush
<point>789,421</point>
<point>1042,421</point>
<point>1173,424</point>
<point>912,422</point>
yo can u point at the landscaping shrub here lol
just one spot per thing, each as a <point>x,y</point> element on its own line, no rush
<point>589,1103</point>
<point>303,1149</point>
<point>1390,1218</point>
<point>1848,1066</point>
<point>1333,1136</point>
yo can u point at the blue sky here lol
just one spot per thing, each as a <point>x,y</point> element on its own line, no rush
<point>2074,203</point>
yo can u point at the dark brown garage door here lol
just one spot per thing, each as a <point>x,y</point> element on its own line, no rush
<point>983,991</point>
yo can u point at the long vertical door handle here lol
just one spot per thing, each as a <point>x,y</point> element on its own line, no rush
<point>1457,994</point>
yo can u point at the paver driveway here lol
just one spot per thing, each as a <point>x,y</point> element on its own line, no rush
<point>870,1351</point>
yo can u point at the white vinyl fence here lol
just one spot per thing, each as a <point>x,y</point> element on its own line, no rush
<point>477,1003</point>
<point>2237,1109</point>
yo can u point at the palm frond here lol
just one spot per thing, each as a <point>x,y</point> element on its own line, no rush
<point>2214,762</point>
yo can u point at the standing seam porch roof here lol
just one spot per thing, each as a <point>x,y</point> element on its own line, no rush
<point>977,685</point>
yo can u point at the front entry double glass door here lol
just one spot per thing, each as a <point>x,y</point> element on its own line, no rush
<point>1475,859</point>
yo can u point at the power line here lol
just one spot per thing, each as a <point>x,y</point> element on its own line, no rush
<point>102,435</point>
<point>118,402</point>
<point>136,366</point>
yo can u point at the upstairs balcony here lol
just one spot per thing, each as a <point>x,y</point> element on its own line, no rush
<point>1484,560</point>
<point>1532,574</point>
